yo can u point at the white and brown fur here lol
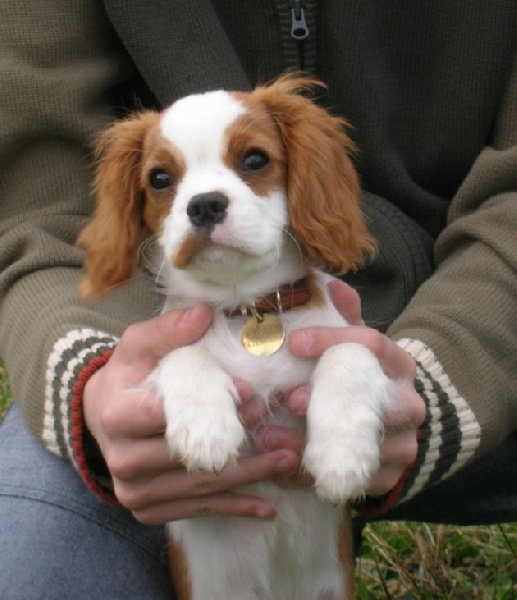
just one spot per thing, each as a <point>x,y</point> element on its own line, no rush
<point>290,210</point>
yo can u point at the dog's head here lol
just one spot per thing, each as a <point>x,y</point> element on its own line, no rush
<point>225,181</point>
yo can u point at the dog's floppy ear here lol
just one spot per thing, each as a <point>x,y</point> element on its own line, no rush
<point>323,186</point>
<point>113,236</point>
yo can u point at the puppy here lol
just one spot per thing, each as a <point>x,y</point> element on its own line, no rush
<point>249,200</point>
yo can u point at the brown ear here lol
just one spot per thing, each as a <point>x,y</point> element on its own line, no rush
<point>323,186</point>
<point>114,235</point>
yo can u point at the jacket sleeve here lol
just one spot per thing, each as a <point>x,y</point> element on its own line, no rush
<point>59,71</point>
<point>461,326</point>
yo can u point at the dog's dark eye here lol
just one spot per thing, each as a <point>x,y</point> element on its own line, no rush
<point>255,161</point>
<point>159,180</point>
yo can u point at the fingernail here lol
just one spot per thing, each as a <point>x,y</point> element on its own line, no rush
<point>195,316</point>
<point>336,284</point>
<point>304,342</point>
<point>265,512</point>
<point>299,401</point>
<point>283,466</point>
<point>307,340</point>
<point>269,439</point>
<point>189,315</point>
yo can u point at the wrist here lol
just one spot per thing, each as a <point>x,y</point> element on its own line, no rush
<point>88,456</point>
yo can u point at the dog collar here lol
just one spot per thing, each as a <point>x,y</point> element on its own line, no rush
<point>285,298</point>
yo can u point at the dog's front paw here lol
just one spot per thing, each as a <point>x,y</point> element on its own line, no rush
<point>205,442</point>
<point>345,422</point>
<point>342,472</point>
<point>203,427</point>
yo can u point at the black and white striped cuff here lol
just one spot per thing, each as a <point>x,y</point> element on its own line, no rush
<point>69,356</point>
<point>450,434</point>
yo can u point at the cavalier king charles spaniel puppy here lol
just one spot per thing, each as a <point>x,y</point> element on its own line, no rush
<point>250,201</point>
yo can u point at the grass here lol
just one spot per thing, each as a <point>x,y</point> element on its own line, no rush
<point>5,396</point>
<point>430,562</point>
<point>418,561</point>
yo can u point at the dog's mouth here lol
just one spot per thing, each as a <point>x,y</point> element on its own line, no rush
<point>212,243</point>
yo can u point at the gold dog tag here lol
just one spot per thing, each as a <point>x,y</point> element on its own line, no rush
<point>262,335</point>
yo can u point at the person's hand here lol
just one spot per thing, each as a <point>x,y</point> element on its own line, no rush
<point>399,446</point>
<point>128,424</point>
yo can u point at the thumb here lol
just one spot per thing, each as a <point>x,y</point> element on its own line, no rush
<point>347,301</point>
<point>149,341</point>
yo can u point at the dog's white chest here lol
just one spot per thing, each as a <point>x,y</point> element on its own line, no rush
<point>278,371</point>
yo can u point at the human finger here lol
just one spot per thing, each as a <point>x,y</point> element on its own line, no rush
<point>298,400</point>
<point>347,301</point>
<point>139,412</point>
<point>148,341</point>
<point>136,461</point>
<point>408,410</point>
<point>227,503</point>
<point>243,389</point>
<point>397,451</point>
<point>272,437</point>
<point>310,343</point>
<point>133,413</point>
<point>253,409</point>
<point>182,485</point>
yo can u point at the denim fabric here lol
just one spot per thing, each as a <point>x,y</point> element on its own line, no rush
<point>59,542</point>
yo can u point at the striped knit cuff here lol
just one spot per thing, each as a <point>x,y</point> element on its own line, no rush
<point>447,439</point>
<point>73,360</point>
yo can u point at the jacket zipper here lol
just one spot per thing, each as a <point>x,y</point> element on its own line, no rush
<point>299,29</point>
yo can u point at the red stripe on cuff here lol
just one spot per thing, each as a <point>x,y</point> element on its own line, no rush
<point>79,427</point>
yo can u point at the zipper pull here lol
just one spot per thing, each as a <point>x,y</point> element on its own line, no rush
<point>299,29</point>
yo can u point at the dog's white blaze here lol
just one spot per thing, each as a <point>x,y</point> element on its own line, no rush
<point>197,125</point>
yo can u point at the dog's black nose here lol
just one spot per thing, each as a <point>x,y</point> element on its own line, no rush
<point>207,209</point>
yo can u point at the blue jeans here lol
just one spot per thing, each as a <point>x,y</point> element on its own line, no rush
<point>58,542</point>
